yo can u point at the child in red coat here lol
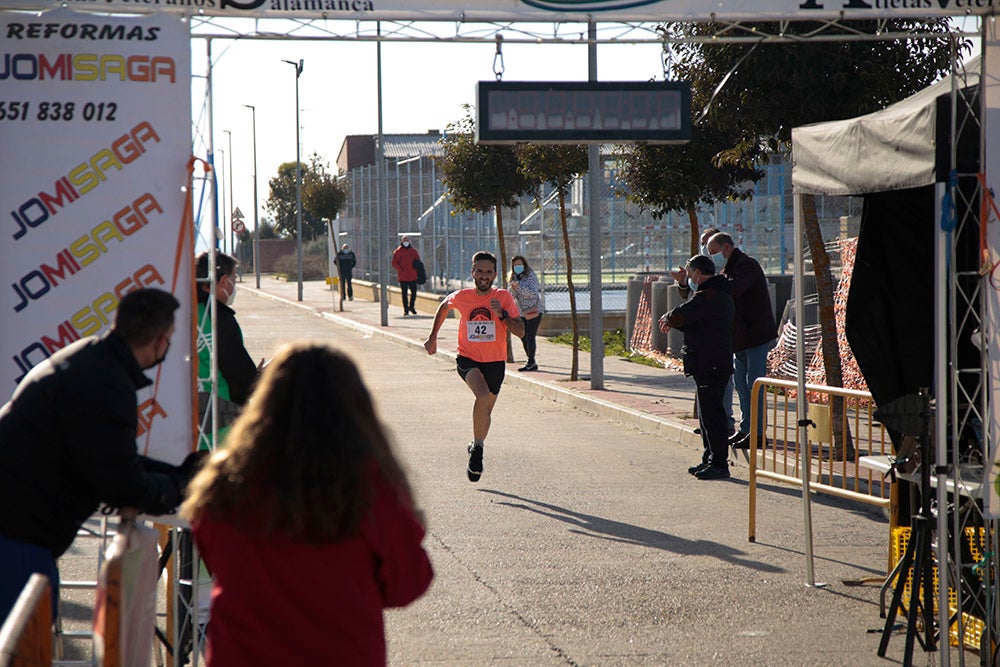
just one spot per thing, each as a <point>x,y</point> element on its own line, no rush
<point>306,521</point>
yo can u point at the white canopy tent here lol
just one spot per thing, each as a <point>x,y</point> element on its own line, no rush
<point>890,149</point>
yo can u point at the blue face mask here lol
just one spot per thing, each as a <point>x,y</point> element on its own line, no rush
<point>692,285</point>
<point>519,269</point>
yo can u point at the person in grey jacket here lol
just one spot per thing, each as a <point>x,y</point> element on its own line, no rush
<point>524,288</point>
<point>67,442</point>
<point>707,322</point>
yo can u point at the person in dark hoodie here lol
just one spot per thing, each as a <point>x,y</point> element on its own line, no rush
<point>237,371</point>
<point>706,320</point>
<point>67,442</point>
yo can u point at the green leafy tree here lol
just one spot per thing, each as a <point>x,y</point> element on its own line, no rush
<point>760,91</point>
<point>664,178</point>
<point>267,230</point>
<point>324,197</point>
<point>558,165</point>
<point>323,194</point>
<point>283,204</point>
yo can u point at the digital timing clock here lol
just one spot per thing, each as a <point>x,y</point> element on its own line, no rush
<point>583,112</point>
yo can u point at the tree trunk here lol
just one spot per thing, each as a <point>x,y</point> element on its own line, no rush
<point>843,447</point>
<point>502,269</point>
<point>574,371</point>
<point>695,232</point>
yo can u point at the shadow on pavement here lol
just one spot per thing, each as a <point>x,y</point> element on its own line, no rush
<point>625,533</point>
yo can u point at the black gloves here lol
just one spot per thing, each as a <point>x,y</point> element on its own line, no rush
<point>189,468</point>
<point>169,482</point>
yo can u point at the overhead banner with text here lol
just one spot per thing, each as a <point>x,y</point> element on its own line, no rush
<point>532,10</point>
<point>95,129</point>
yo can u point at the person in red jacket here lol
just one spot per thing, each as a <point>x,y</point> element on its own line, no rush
<point>306,521</point>
<point>403,258</point>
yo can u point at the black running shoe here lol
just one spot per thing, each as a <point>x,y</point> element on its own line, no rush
<point>694,470</point>
<point>713,472</point>
<point>475,469</point>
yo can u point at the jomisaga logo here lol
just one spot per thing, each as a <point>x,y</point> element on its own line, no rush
<point>587,5</point>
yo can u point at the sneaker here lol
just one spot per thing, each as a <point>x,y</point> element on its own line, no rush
<point>694,470</point>
<point>713,472</point>
<point>528,367</point>
<point>475,469</point>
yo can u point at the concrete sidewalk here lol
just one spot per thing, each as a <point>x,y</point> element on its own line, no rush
<point>653,400</point>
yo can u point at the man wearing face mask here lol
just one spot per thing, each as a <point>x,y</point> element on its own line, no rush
<point>707,321</point>
<point>403,258</point>
<point>67,442</point>
<point>754,328</point>
<point>237,372</point>
<point>680,277</point>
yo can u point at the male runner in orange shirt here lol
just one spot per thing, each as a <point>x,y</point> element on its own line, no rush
<point>486,316</point>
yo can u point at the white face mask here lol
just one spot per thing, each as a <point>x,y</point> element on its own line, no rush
<point>232,296</point>
<point>719,260</point>
<point>406,244</point>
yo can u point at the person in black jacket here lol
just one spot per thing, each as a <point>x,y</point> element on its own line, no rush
<point>346,261</point>
<point>754,328</point>
<point>236,368</point>
<point>67,442</point>
<point>707,322</point>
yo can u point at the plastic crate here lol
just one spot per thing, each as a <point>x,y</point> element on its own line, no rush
<point>972,625</point>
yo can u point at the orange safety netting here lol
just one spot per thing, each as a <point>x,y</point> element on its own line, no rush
<point>781,360</point>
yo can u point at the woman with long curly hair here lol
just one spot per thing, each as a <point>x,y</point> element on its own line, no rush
<point>306,521</point>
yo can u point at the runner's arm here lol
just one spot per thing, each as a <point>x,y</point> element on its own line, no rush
<point>439,317</point>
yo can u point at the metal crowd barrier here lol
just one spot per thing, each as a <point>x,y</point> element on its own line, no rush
<point>831,472</point>
<point>26,634</point>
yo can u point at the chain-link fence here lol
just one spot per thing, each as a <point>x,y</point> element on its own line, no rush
<point>632,241</point>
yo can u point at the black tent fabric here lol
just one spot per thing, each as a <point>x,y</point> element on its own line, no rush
<point>889,321</point>
<point>890,308</point>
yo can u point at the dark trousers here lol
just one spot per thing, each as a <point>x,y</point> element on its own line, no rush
<point>712,418</point>
<point>528,340</point>
<point>21,560</point>
<point>345,284</point>
<point>411,287</point>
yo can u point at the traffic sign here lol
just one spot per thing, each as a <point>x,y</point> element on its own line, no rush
<point>238,214</point>
<point>238,226</point>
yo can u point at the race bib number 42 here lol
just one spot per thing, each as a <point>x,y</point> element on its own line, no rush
<point>481,331</point>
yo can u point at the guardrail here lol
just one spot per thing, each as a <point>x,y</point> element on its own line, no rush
<point>26,635</point>
<point>830,473</point>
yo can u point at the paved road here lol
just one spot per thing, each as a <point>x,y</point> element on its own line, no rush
<point>587,543</point>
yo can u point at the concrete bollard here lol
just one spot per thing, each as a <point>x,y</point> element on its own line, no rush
<point>658,306</point>
<point>633,294</point>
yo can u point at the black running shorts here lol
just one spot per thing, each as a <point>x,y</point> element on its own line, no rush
<point>493,371</point>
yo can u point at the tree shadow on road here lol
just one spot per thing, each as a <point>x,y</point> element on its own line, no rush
<point>616,531</point>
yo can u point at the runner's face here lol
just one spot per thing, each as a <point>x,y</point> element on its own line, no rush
<point>483,273</point>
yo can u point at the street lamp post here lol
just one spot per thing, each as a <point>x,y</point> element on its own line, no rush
<point>220,227</point>
<point>232,200</point>
<point>256,222</point>
<point>298,173</point>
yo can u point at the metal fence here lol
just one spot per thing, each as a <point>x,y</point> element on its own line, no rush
<point>632,241</point>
